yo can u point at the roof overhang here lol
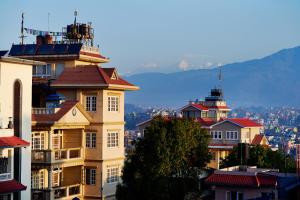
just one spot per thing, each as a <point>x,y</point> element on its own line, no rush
<point>11,186</point>
<point>107,86</point>
<point>20,61</point>
<point>12,142</point>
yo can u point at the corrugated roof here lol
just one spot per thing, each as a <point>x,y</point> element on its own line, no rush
<point>242,180</point>
<point>12,141</point>
<point>11,186</point>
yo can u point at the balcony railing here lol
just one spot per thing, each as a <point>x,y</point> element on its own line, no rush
<point>43,111</point>
<point>5,176</point>
<point>56,156</point>
<point>68,191</point>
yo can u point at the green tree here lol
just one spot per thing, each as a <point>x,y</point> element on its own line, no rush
<point>263,157</point>
<point>167,162</point>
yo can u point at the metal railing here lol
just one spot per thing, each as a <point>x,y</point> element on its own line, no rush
<point>5,176</point>
<point>43,111</point>
<point>48,156</point>
<point>67,191</point>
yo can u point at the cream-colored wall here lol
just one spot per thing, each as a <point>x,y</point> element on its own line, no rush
<point>113,152</point>
<point>9,73</point>
<point>109,116</point>
<point>72,138</point>
<point>219,155</point>
<point>71,175</point>
<point>70,118</point>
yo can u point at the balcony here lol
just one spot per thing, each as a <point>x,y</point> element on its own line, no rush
<point>5,176</point>
<point>43,111</point>
<point>68,191</point>
<point>57,156</point>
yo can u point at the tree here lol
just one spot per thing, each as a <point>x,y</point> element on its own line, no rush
<point>167,162</point>
<point>263,157</point>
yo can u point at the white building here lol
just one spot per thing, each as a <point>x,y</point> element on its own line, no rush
<point>15,125</point>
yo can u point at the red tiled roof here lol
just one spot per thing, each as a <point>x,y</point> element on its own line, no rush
<point>205,121</point>
<point>243,122</point>
<point>242,180</point>
<point>65,107</point>
<point>219,107</point>
<point>91,74</point>
<point>257,139</point>
<point>92,54</point>
<point>12,141</point>
<point>199,106</point>
<point>11,186</point>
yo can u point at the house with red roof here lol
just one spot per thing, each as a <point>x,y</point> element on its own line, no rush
<point>250,182</point>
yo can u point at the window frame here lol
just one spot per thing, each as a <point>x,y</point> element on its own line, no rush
<point>90,176</point>
<point>112,174</point>
<point>91,140</point>
<point>113,139</point>
<point>216,135</point>
<point>232,135</point>
<point>113,103</point>
<point>91,103</point>
<point>38,141</point>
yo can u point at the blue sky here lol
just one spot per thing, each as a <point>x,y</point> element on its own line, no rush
<point>166,35</point>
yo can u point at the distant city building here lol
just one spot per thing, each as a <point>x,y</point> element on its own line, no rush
<point>226,133</point>
<point>244,182</point>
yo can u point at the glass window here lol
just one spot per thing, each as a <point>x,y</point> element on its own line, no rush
<point>112,174</point>
<point>90,175</point>
<point>112,139</point>
<point>91,140</point>
<point>90,103</point>
<point>113,103</point>
<point>231,135</point>
<point>38,141</point>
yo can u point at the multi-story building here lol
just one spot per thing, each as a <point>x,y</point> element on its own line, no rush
<point>15,126</point>
<point>78,139</point>
<point>244,182</point>
<point>226,133</point>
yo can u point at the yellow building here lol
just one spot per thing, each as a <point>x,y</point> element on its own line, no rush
<point>78,137</point>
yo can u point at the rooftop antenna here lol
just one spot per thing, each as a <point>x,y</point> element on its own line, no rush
<point>48,22</point>
<point>22,36</point>
<point>75,14</point>
<point>220,75</point>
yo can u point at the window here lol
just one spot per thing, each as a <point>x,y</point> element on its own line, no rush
<point>217,135</point>
<point>233,195</point>
<point>231,135</point>
<point>90,103</point>
<point>41,70</point>
<point>113,103</point>
<point>37,179</point>
<point>112,174</point>
<point>90,176</point>
<point>55,178</point>
<point>112,139</point>
<point>90,140</point>
<point>38,141</point>
<point>5,197</point>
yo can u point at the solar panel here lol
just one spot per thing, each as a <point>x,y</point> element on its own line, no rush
<point>29,49</point>
<point>45,49</point>
<point>74,48</point>
<point>60,49</point>
<point>16,50</point>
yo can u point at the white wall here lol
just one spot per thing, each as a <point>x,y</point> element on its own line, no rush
<point>9,73</point>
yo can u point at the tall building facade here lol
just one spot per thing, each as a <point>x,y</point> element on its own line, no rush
<point>15,125</point>
<point>78,117</point>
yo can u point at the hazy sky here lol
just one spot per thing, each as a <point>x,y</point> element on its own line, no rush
<point>166,35</point>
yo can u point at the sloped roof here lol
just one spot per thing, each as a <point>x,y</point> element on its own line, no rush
<point>258,139</point>
<point>242,180</point>
<point>205,121</point>
<point>11,186</point>
<point>12,141</point>
<point>89,75</point>
<point>52,118</point>
<point>242,122</point>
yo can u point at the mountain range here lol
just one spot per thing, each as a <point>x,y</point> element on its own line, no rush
<point>270,81</point>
